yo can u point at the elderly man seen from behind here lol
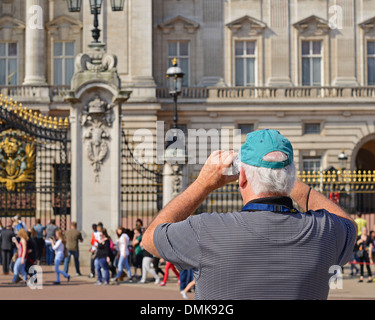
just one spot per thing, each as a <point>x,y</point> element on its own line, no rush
<point>268,250</point>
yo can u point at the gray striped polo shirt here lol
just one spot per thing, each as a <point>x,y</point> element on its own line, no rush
<point>258,255</point>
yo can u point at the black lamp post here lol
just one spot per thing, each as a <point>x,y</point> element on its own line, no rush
<point>342,157</point>
<point>175,75</point>
<point>96,8</point>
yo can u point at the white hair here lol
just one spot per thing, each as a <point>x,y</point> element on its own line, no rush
<point>271,181</point>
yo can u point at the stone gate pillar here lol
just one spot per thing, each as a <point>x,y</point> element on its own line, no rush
<point>95,118</point>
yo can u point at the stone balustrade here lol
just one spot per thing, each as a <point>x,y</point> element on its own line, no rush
<point>279,93</point>
<point>30,94</point>
<point>210,94</point>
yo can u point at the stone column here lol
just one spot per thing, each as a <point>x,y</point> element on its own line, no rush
<point>95,116</point>
<point>35,44</point>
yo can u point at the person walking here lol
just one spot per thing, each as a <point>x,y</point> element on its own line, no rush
<point>39,229</point>
<point>361,223</point>
<point>7,246</point>
<point>123,260</point>
<point>51,229</point>
<point>277,250</point>
<point>365,247</point>
<point>190,286</point>
<point>58,245</point>
<point>73,237</point>
<point>146,267</point>
<point>186,276</point>
<point>112,255</point>
<point>169,266</point>
<point>103,253</point>
<point>138,251</point>
<point>94,244</point>
<point>372,241</point>
<point>20,264</point>
<point>156,262</point>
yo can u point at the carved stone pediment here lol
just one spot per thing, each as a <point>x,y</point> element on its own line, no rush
<point>63,27</point>
<point>10,26</point>
<point>312,26</point>
<point>179,24</point>
<point>10,22</point>
<point>368,26</point>
<point>247,25</point>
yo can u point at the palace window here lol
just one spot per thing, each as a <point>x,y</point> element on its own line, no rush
<point>311,63</point>
<point>63,62</point>
<point>371,63</point>
<point>181,51</point>
<point>245,64</point>
<point>8,63</point>
<point>312,128</point>
<point>311,163</point>
<point>246,128</point>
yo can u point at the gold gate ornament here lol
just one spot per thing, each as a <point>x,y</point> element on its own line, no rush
<point>17,159</point>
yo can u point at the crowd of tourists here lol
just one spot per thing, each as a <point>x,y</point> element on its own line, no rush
<point>113,261</point>
<point>118,260</point>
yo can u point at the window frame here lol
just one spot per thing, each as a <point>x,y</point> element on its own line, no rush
<point>7,58</point>
<point>311,159</point>
<point>311,56</point>
<point>306,124</point>
<point>367,64</point>
<point>63,57</point>
<point>178,56</point>
<point>244,57</point>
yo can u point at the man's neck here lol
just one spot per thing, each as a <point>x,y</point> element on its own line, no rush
<point>251,196</point>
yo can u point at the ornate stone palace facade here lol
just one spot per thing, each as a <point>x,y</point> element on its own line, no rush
<point>304,67</point>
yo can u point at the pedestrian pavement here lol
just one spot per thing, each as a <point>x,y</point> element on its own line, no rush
<point>83,288</point>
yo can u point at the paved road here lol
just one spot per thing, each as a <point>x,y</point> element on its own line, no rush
<point>83,288</point>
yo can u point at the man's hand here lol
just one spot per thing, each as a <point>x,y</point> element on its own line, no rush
<point>216,171</point>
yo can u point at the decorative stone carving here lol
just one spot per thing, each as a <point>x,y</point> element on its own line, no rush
<point>177,180</point>
<point>312,26</point>
<point>96,118</point>
<point>11,28</point>
<point>64,28</point>
<point>97,61</point>
<point>368,26</point>
<point>248,26</point>
<point>179,24</point>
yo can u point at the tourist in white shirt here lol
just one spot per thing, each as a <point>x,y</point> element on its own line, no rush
<point>59,248</point>
<point>123,253</point>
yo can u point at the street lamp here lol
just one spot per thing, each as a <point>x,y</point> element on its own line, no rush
<point>96,8</point>
<point>342,157</point>
<point>74,5</point>
<point>175,75</point>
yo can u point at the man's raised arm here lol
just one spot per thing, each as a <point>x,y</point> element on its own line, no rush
<point>306,197</point>
<point>212,176</point>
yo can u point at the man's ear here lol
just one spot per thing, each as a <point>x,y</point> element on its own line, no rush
<point>242,180</point>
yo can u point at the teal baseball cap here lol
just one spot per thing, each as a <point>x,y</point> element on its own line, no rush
<point>261,142</point>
